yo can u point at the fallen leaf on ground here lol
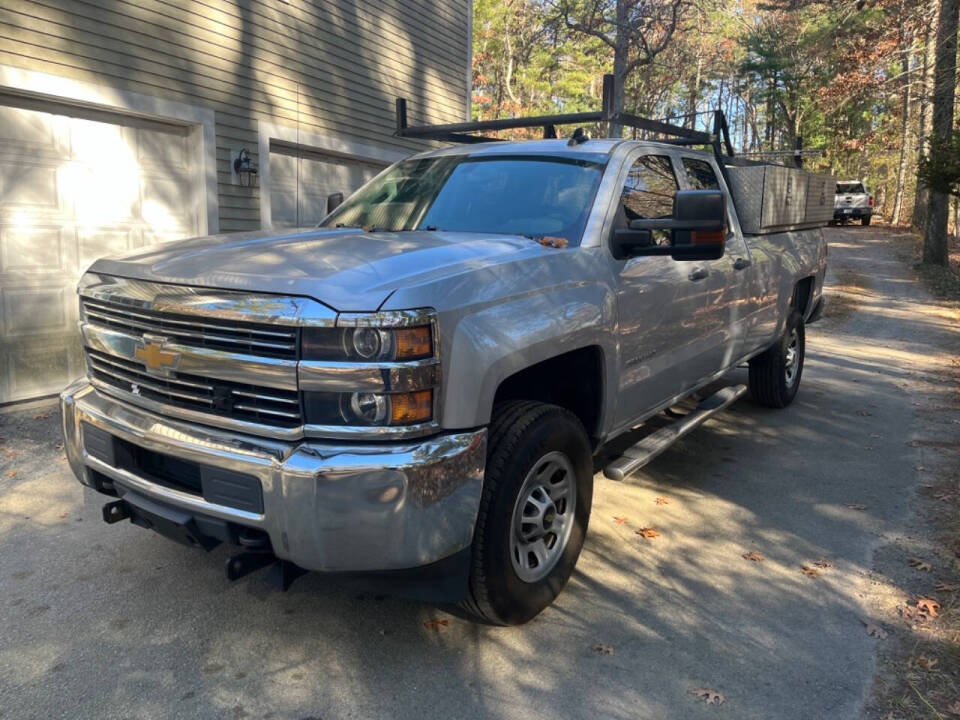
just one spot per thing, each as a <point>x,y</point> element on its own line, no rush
<point>920,468</point>
<point>825,564</point>
<point>435,624</point>
<point>41,416</point>
<point>620,520</point>
<point>712,697</point>
<point>947,587</point>
<point>648,532</point>
<point>864,413</point>
<point>921,565</point>
<point>954,708</point>
<point>66,514</point>
<point>856,506</point>
<point>928,605</point>
<point>914,443</point>
<point>753,556</point>
<point>11,473</point>
<point>601,649</point>
<point>945,495</point>
<point>812,572</point>
<point>926,663</point>
<point>662,501</point>
<point>10,454</point>
<point>875,630</point>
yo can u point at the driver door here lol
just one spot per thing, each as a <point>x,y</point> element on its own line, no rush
<point>658,303</point>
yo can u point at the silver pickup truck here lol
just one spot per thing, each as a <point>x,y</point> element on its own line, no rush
<point>416,390</point>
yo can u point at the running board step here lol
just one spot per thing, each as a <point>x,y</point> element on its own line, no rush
<point>636,456</point>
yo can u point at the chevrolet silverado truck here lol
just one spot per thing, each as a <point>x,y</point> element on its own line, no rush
<point>416,389</point>
<point>853,202</point>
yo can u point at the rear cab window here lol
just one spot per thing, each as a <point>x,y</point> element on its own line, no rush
<point>850,188</point>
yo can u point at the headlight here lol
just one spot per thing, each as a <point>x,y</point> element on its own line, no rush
<point>368,344</point>
<point>370,371</point>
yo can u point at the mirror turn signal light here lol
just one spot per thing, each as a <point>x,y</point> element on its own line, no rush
<point>706,237</point>
<point>413,343</point>
<point>409,408</point>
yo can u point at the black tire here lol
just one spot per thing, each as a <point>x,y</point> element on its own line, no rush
<point>770,382</point>
<point>865,220</point>
<point>521,435</point>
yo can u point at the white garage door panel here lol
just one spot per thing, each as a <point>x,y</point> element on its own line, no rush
<point>303,200</point>
<point>72,190</point>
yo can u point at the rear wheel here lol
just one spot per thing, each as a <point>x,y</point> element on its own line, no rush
<point>775,373</point>
<point>533,513</point>
<point>865,220</point>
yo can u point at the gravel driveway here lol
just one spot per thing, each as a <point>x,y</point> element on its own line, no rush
<point>106,621</point>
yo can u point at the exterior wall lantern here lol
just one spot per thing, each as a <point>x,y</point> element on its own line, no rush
<point>244,168</point>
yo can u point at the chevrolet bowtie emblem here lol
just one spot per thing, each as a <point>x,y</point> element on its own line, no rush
<point>154,357</point>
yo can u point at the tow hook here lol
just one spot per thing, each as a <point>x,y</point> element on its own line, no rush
<point>282,572</point>
<point>115,511</point>
<point>258,555</point>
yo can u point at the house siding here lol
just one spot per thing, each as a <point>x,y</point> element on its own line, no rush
<point>328,67</point>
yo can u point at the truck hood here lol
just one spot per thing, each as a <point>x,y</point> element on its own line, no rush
<point>349,270</point>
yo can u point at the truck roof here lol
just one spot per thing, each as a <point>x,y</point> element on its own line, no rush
<point>600,147</point>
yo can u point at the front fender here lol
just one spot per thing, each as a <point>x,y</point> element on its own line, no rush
<point>491,344</point>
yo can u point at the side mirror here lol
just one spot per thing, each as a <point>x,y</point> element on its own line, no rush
<point>697,229</point>
<point>704,214</point>
<point>334,200</point>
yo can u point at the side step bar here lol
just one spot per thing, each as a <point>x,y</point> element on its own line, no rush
<point>635,457</point>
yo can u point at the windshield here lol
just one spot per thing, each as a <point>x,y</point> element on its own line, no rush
<point>849,187</point>
<point>513,195</point>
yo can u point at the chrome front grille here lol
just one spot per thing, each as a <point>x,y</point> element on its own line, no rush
<point>248,403</point>
<point>275,341</point>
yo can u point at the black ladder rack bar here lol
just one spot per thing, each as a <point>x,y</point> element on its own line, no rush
<point>457,132</point>
<point>430,131</point>
<point>635,121</point>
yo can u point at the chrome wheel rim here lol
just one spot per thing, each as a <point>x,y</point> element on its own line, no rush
<point>792,362</point>
<point>543,517</point>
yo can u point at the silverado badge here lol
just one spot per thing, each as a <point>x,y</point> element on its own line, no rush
<point>157,360</point>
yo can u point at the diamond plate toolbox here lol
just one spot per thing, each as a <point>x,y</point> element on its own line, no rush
<point>774,198</point>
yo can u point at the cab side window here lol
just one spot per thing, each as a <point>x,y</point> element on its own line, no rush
<point>648,192</point>
<point>700,175</point>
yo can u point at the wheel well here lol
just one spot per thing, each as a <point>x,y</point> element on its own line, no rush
<point>802,295</point>
<point>573,381</point>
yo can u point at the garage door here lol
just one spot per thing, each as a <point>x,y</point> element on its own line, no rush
<point>73,189</point>
<point>303,200</point>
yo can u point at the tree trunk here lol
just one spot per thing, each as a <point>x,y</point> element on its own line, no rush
<point>621,52</point>
<point>921,197</point>
<point>945,76</point>
<point>694,95</point>
<point>904,136</point>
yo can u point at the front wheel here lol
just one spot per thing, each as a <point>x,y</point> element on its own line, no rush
<point>533,514</point>
<point>775,373</point>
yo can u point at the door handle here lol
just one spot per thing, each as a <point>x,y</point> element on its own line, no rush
<point>741,263</point>
<point>698,273</point>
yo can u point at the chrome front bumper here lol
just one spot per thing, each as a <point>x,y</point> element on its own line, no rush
<point>328,506</point>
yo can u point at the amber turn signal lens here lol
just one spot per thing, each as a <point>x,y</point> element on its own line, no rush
<point>413,343</point>
<point>706,237</point>
<point>408,408</point>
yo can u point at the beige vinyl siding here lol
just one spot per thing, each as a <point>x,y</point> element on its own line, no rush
<point>331,67</point>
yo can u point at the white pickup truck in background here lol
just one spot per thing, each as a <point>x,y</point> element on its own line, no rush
<point>854,200</point>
